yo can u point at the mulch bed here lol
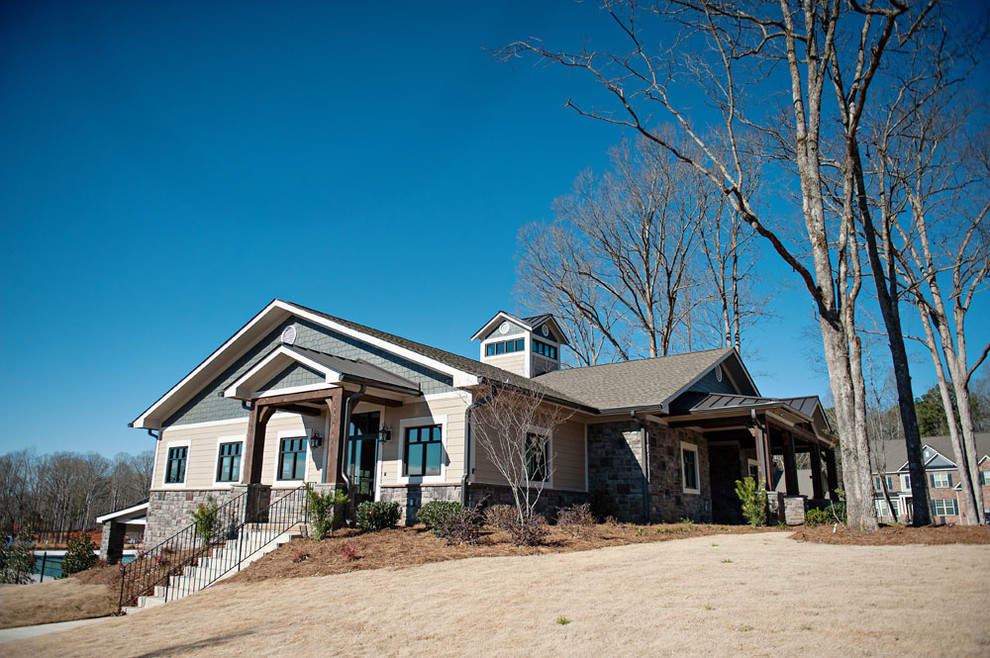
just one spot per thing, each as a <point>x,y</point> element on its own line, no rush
<point>896,535</point>
<point>405,547</point>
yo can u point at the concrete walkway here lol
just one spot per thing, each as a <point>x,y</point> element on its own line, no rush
<point>21,632</point>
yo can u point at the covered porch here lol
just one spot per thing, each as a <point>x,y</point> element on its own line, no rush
<point>745,433</point>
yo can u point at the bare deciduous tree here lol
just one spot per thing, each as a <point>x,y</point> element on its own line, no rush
<point>736,55</point>
<point>513,430</point>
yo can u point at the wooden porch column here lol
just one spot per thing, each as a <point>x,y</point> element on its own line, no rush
<point>832,473</point>
<point>335,446</point>
<point>790,466</point>
<point>816,471</point>
<point>254,445</point>
<point>763,458</point>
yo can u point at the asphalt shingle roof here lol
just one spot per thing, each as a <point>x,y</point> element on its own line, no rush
<point>356,369</point>
<point>641,383</point>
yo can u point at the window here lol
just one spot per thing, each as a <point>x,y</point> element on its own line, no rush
<point>689,467</point>
<point>175,465</point>
<point>292,459</point>
<point>906,483</point>
<point>941,480</point>
<point>985,478</point>
<point>884,510</point>
<point>879,483</point>
<point>542,348</point>
<point>944,508</point>
<point>229,462</point>
<point>537,458</point>
<point>424,451</point>
<point>505,347</point>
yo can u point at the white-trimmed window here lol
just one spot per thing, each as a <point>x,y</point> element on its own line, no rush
<point>985,478</point>
<point>689,468</point>
<point>878,481</point>
<point>291,459</point>
<point>175,464</point>
<point>229,461</point>
<point>944,507</point>
<point>537,457</point>
<point>940,480</point>
<point>905,483</point>
<point>423,451</point>
<point>885,511</point>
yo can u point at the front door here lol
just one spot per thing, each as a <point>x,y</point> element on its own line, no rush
<point>362,455</point>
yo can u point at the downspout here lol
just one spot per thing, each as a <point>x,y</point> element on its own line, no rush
<point>467,445</point>
<point>644,437</point>
<point>344,432</point>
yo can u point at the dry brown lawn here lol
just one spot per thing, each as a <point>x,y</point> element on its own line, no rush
<point>57,600</point>
<point>749,594</point>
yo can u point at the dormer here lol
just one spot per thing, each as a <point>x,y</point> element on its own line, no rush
<point>526,346</point>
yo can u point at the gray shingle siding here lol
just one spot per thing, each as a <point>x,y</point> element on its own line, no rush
<point>294,375</point>
<point>708,384</point>
<point>209,405</point>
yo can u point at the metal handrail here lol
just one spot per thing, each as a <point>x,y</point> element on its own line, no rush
<point>156,566</point>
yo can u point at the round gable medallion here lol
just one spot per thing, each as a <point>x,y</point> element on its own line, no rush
<point>718,373</point>
<point>289,335</point>
<point>503,328</point>
<point>546,332</point>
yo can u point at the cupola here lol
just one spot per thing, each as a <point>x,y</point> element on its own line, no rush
<point>525,346</point>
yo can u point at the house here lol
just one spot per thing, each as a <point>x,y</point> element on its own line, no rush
<point>298,396</point>
<point>941,473</point>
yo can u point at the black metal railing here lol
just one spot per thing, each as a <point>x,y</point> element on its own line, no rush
<point>202,553</point>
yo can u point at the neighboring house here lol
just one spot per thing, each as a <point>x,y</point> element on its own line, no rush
<point>300,396</point>
<point>941,474</point>
<point>120,525</point>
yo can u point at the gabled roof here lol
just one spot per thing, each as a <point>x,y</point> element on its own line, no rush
<point>531,324</point>
<point>895,452</point>
<point>464,371</point>
<point>645,383</point>
<point>134,515</point>
<point>333,369</point>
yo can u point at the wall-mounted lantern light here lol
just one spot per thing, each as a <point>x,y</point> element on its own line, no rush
<point>385,434</point>
<point>315,439</point>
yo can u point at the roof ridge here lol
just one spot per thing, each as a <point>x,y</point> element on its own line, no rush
<point>647,358</point>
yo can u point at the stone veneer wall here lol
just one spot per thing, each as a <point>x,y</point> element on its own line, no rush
<point>171,511</point>
<point>668,502</point>
<point>412,497</point>
<point>615,463</point>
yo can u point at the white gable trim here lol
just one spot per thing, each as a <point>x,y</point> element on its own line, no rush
<point>276,312</point>
<point>263,372</point>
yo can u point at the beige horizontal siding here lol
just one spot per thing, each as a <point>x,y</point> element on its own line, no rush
<point>567,460</point>
<point>453,441</point>
<point>514,362</point>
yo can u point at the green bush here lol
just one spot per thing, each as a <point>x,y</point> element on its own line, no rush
<point>824,515</point>
<point>437,514</point>
<point>206,519</point>
<point>603,504</point>
<point>79,554</point>
<point>372,517</point>
<point>325,511</point>
<point>754,501</point>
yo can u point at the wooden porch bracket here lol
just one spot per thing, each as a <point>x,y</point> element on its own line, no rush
<point>254,444</point>
<point>816,471</point>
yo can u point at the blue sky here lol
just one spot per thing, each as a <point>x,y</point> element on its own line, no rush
<point>169,168</point>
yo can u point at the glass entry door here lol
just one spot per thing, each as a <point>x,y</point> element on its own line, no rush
<point>362,455</point>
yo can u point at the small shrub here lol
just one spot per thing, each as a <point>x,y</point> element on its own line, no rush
<point>436,515</point>
<point>349,551</point>
<point>835,513</point>
<point>754,501</point>
<point>563,621</point>
<point>79,554</point>
<point>206,519</point>
<point>461,527</point>
<point>300,556</point>
<point>372,517</point>
<point>16,560</point>
<point>325,511</point>
<point>530,532</point>
<point>575,518</point>
<point>502,517</point>
<point>603,505</point>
